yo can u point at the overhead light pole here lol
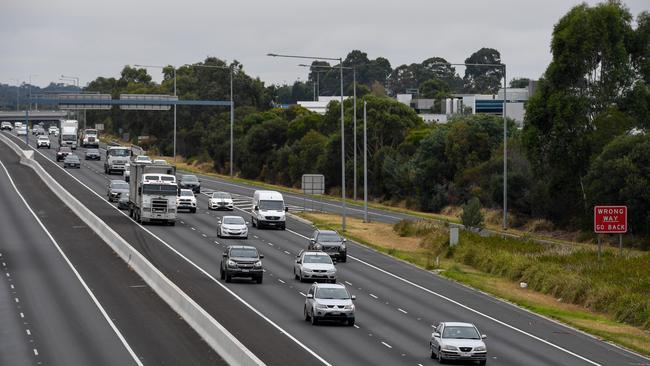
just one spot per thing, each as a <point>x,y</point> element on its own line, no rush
<point>340,60</point>
<point>162,68</point>
<point>354,118</point>
<point>232,108</point>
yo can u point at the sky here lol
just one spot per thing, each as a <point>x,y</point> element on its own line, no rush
<point>91,38</point>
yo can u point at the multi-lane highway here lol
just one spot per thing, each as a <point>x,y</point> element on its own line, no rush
<point>396,302</point>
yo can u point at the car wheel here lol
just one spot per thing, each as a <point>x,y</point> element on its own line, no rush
<point>306,314</point>
<point>344,259</point>
<point>440,359</point>
<point>314,320</point>
<point>433,354</point>
<point>193,210</point>
<point>295,275</point>
<point>482,362</point>
<point>218,233</point>
<point>246,237</point>
<point>253,222</point>
<point>351,322</point>
<point>300,278</point>
<point>222,274</point>
<point>260,279</point>
<point>228,277</point>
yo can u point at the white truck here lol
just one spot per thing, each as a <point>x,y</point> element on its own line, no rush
<point>117,157</point>
<point>152,193</point>
<point>268,210</point>
<point>68,136</point>
<point>90,138</point>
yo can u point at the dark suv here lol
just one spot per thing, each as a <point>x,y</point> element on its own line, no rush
<point>241,261</point>
<point>330,242</point>
<point>189,181</point>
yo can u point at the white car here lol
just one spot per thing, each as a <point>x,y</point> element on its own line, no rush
<point>6,126</point>
<point>313,265</point>
<point>458,341</point>
<point>232,226</point>
<point>160,162</point>
<point>142,159</point>
<point>186,200</point>
<point>43,141</point>
<point>329,302</point>
<point>221,200</point>
<point>21,131</point>
<point>53,130</point>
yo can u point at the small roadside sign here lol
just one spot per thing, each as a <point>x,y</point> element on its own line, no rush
<point>610,219</point>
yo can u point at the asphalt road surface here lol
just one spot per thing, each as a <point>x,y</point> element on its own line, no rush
<point>396,302</point>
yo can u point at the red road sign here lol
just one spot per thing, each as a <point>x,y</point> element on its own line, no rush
<point>610,219</point>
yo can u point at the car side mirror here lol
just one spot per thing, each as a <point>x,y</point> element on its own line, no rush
<point>353,297</point>
<point>310,296</point>
<point>261,256</point>
<point>298,261</point>
<point>344,240</point>
<point>286,208</point>
<point>436,335</point>
<point>256,208</point>
<point>224,255</point>
<point>483,336</point>
<point>248,223</point>
<point>312,240</point>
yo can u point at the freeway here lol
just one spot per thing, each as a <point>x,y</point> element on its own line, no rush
<point>396,302</point>
<point>65,299</point>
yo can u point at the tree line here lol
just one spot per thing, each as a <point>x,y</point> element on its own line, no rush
<point>583,141</point>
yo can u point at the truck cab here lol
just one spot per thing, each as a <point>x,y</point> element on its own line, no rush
<point>152,193</point>
<point>90,138</point>
<point>268,210</point>
<point>117,157</point>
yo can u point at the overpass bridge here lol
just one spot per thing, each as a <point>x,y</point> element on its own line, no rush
<point>34,116</point>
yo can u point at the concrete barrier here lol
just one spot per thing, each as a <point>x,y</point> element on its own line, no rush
<point>218,337</point>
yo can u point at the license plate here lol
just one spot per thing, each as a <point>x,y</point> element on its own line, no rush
<point>245,270</point>
<point>336,313</point>
<point>465,354</point>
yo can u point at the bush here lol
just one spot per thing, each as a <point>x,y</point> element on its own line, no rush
<point>472,216</point>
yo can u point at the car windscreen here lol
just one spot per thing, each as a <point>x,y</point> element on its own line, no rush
<point>221,195</point>
<point>167,179</point>
<point>187,194</point>
<point>243,253</point>
<point>161,189</point>
<point>72,158</point>
<point>460,333</point>
<point>329,238</point>
<point>120,186</point>
<point>43,138</point>
<point>325,259</point>
<point>272,205</point>
<point>234,221</point>
<point>190,178</point>
<point>92,151</point>
<point>68,137</point>
<point>65,149</point>
<point>118,152</point>
<point>337,293</point>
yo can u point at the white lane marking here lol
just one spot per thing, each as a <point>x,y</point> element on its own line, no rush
<point>255,236</point>
<point>8,275</point>
<point>356,326</point>
<point>74,270</point>
<point>205,236</point>
<point>216,242</point>
<point>35,352</point>
<point>28,332</point>
<point>348,283</point>
<point>17,300</point>
<point>286,252</point>
<point>467,307</point>
<point>240,299</point>
<point>12,286</point>
<point>281,280</point>
<point>193,228</point>
<point>373,296</point>
<point>403,311</point>
<point>386,344</point>
<point>4,264</point>
<point>22,315</point>
<point>271,244</point>
<point>182,222</point>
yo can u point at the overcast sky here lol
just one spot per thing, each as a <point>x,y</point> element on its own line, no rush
<point>90,38</point>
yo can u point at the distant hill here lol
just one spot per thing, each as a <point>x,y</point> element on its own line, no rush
<point>8,93</point>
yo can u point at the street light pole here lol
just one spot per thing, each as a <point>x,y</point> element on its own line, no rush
<point>365,163</point>
<point>340,60</point>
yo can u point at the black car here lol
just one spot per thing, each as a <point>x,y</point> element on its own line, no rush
<point>330,242</point>
<point>92,154</point>
<point>241,261</point>
<point>189,181</point>
<point>116,189</point>
<point>72,161</point>
<point>63,152</point>
<point>123,201</point>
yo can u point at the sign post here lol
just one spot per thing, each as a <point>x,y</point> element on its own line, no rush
<point>610,220</point>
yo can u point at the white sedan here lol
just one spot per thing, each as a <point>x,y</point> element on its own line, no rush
<point>458,341</point>
<point>314,265</point>
<point>43,141</point>
<point>232,226</point>
<point>186,200</point>
<point>221,200</point>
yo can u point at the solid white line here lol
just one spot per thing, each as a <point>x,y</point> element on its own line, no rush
<point>386,344</point>
<point>268,320</point>
<point>467,307</point>
<point>373,296</point>
<point>303,295</point>
<point>281,280</point>
<point>403,311</point>
<point>74,270</point>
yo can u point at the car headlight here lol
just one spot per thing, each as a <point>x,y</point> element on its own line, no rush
<point>321,307</point>
<point>349,307</point>
<point>342,246</point>
<point>449,347</point>
<point>231,263</point>
<point>307,270</point>
<point>318,246</point>
<point>258,264</point>
<point>479,349</point>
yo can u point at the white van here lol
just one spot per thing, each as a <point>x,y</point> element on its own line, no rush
<point>268,210</point>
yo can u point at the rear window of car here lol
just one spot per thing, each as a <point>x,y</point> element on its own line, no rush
<point>66,149</point>
<point>243,252</point>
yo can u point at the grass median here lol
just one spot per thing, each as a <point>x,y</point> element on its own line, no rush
<point>607,297</point>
